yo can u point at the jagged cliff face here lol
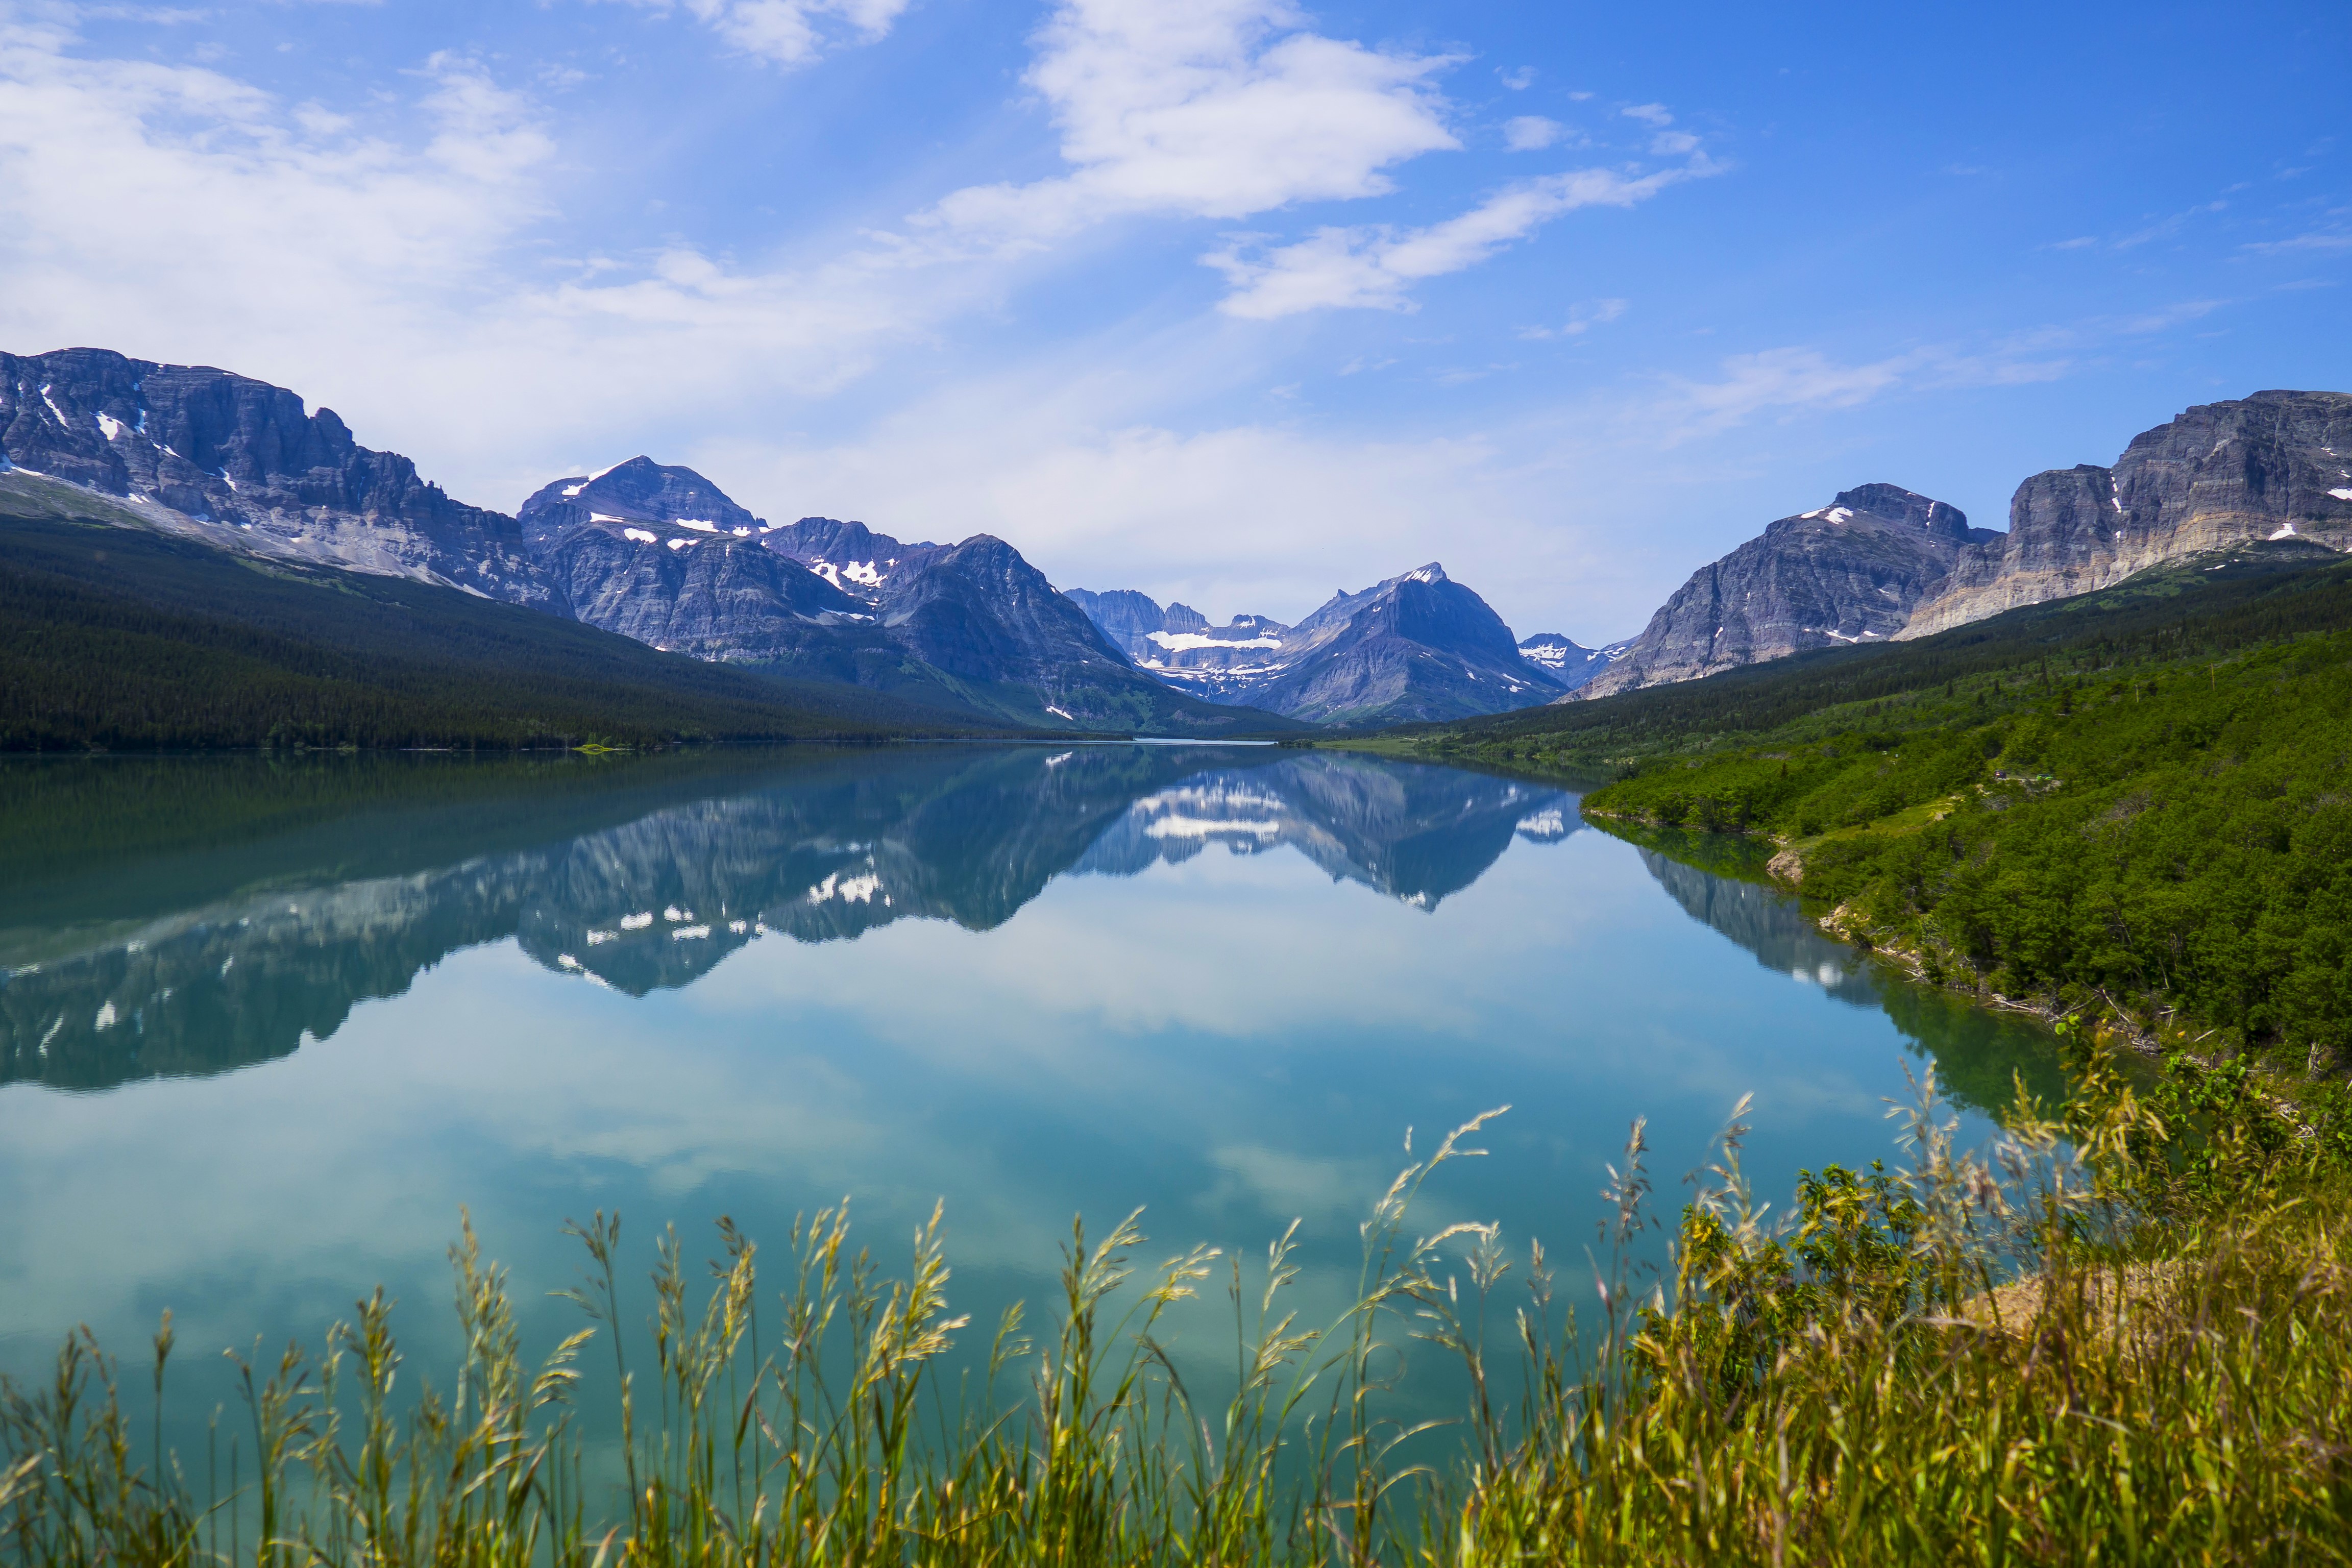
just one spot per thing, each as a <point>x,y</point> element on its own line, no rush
<point>1416,648</point>
<point>2277,464</point>
<point>242,464</point>
<point>1849,572</point>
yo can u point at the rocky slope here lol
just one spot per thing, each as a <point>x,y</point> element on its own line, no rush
<point>1849,572</point>
<point>2277,464</point>
<point>1415,647</point>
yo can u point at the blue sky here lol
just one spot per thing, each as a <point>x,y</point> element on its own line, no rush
<point>1231,300</point>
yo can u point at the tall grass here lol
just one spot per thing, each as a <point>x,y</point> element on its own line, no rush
<point>2124,1334</point>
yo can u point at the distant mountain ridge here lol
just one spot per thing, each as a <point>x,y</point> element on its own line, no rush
<point>1573,664</point>
<point>1415,647</point>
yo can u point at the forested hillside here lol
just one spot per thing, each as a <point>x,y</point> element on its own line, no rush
<point>2141,801</point>
<point>116,638</point>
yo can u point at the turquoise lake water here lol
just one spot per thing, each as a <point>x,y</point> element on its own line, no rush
<point>266,1026</point>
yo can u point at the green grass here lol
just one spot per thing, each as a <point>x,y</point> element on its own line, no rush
<point>2123,1335</point>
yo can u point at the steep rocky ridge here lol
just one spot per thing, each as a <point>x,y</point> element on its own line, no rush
<point>850,555</point>
<point>1849,572</point>
<point>2277,464</point>
<point>243,457</point>
<point>1414,649</point>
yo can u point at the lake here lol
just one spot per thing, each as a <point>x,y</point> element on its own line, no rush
<point>267,1026</point>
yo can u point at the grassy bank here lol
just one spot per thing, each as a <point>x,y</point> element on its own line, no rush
<point>2123,1335</point>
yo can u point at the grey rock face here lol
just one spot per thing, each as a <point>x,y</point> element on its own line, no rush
<point>1418,647</point>
<point>1849,572</point>
<point>1129,618</point>
<point>234,454</point>
<point>2277,464</point>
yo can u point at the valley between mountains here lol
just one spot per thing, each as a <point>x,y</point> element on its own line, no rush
<point>826,626</point>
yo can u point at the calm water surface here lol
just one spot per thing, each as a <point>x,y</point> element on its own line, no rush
<point>264,1029</point>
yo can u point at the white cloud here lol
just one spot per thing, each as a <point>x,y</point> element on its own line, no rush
<point>177,213</point>
<point>1650,114</point>
<point>1785,379</point>
<point>1218,109</point>
<point>2172,315</point>
<point>1581,318</point>
<point>1518,79</point>
<point>1531,133</point>
<point>2166,228</point>
<point>789,32</point>
<point>1795,381</point>
<point>1372,267</point>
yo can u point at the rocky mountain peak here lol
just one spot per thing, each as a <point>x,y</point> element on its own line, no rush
<point>664,497</point>
<point>1893,503</point>
<point>850,555</point>
<point>1849,572</point>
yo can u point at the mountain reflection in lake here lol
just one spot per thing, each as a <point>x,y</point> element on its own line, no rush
<point>1217,983</point>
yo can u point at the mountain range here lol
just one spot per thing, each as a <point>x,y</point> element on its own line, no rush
<point>659,554</point>
<point>972,633</point>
